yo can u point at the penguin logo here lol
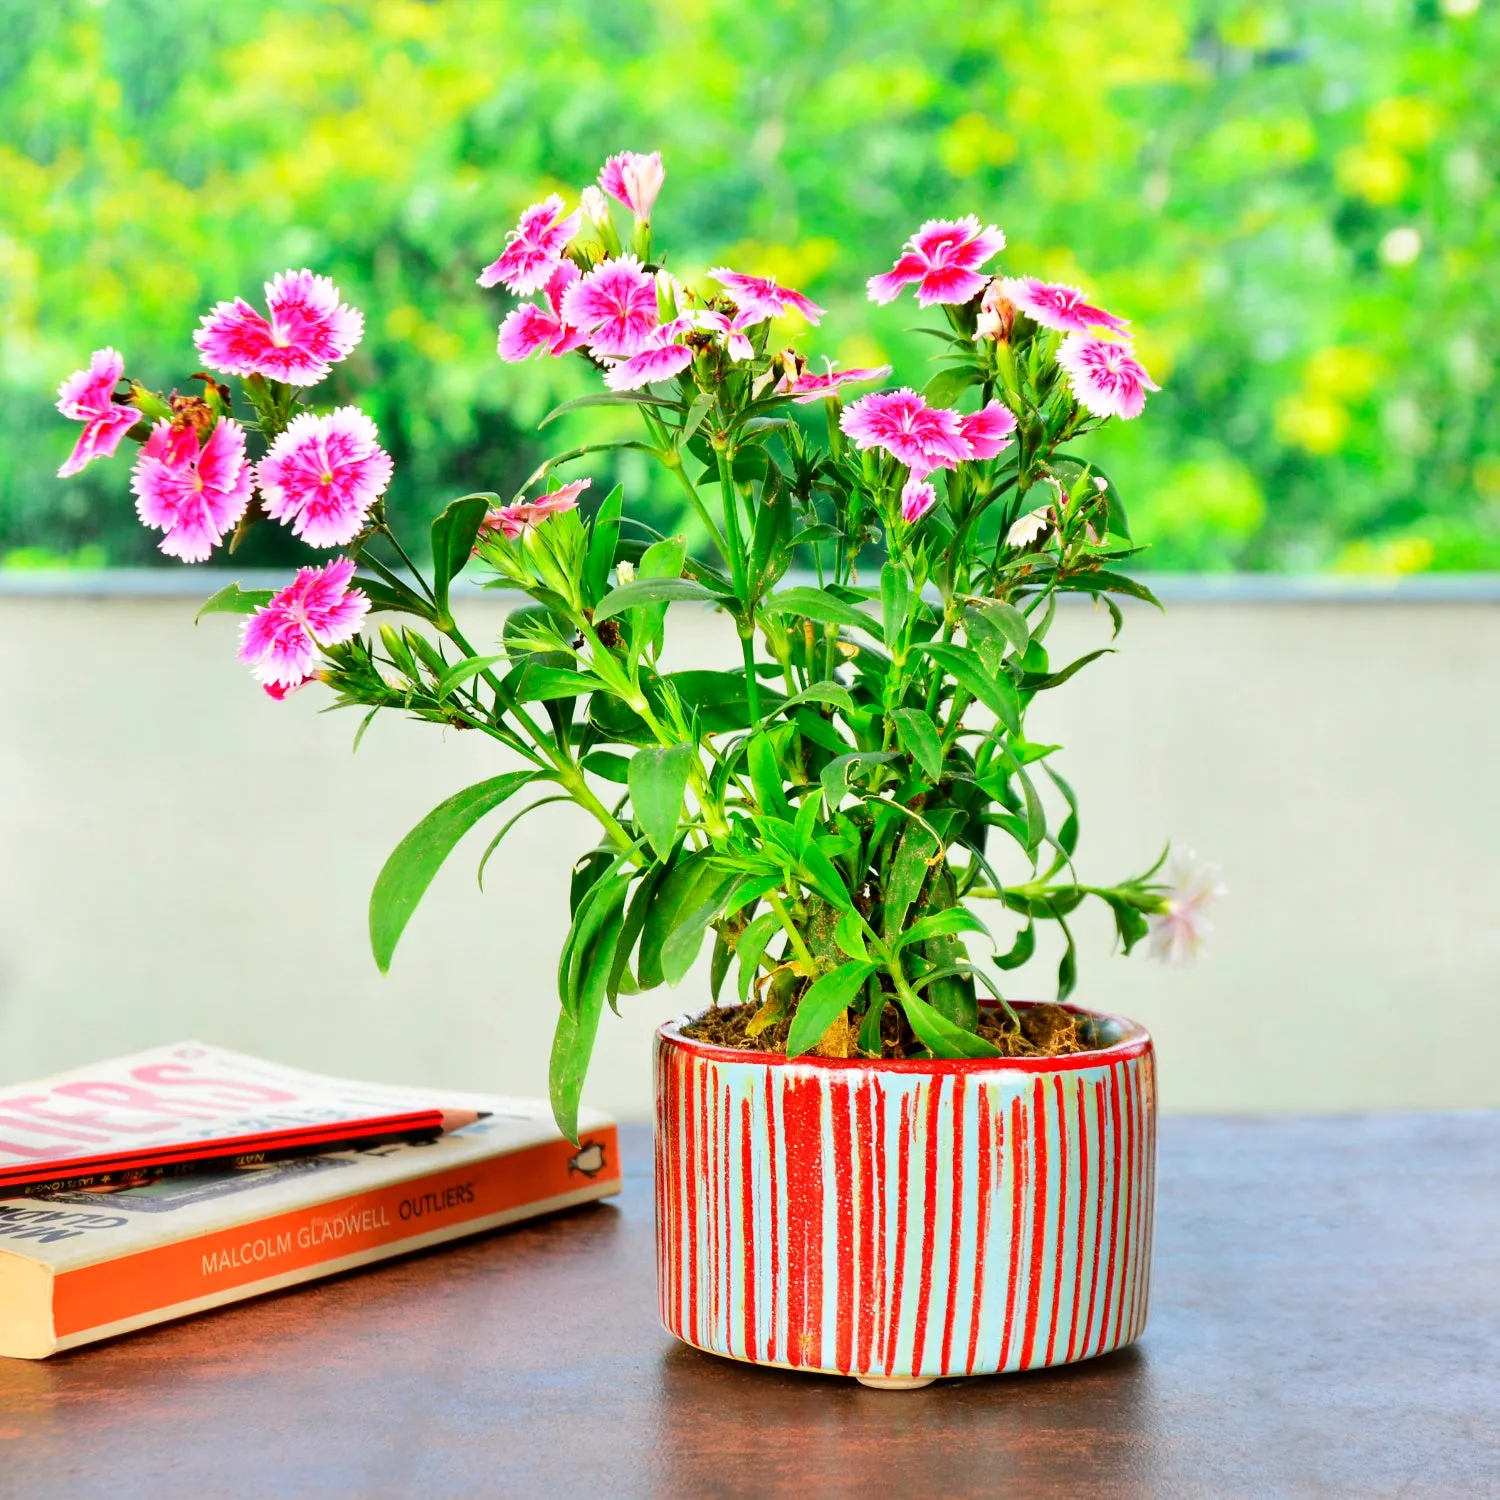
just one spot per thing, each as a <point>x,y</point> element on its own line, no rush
<point>590,1160</point>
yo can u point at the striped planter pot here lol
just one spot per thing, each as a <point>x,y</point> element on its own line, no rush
<point>903,1221</point>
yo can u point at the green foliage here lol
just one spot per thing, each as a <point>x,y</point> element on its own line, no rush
<point>1293,203</point>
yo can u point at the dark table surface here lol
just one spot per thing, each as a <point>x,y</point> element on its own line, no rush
<point>1326,1321</point>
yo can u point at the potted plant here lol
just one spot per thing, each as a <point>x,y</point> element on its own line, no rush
<point>869,1160</point>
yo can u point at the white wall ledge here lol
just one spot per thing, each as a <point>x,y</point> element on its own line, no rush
<point>1183,588</point>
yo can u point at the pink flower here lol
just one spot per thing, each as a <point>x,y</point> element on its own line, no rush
<point>661,359</point>
<point>760,294</point>
<point>533,249</point>
<point>512,520</point>
<point>1179,933</point>
<point>987,431</point>
<point>732,330</point>
<point>309,330</point>
<point>922,437</point>
<point>281,691</point>
<point>614,306</point>
<point>917,498</point>
<point>809,386</point>
<point>634,179</point>
<point>1105,376</point>
<point>323,474</point>
<point>88,397</point>
<point>1054,305</point>
<point>943,257</point>
<point>193,495</point>
<point>318,608</point>
<point>532,327</point>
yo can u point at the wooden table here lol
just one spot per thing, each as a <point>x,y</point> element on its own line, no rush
<point>1326,1322</point>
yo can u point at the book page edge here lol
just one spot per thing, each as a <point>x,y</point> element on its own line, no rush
<point>26,1324</point>
<point>328,1268</point>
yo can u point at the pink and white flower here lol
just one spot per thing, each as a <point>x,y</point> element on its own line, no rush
<point>761,295</point>
<point>662,358</point>
<point>922,437</point>
<point>280,641</point>
<point>532,327</point>
<point>194,495</point>
<point>634,179</point>
<point>917,498</point>
<point>732,330</point>
<point>1105,376</point>
<point>323,474</point>
<point>308,331</point>
<point>987,431</point>
<point>511,521</point>
<point>533,248</point>
<point>614,307</point>
<point>1055,305</point>
<point>87,396</point>
<point>1179,933</point>
<point>809,386</point>
<point>943,257</point>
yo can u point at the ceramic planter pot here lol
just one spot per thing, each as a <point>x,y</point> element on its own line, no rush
<point>904,1221</point>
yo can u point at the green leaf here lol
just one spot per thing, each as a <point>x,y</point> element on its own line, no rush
<point>658,779</point>
<point>1106,582</point>
<point>1035,682</point>
<point>233,600</point>
<point>648,591</point>
<point>765,775</point>
<point>453,534</point>
<point>823,1002</point>
<point>606,398</point>
<point>604,537</point>
<point>919,738</point>
<point>751,948</point>
<point>539,684</point>
<point>1009,621</point>
<point>457,675</point>
<point>945,388</point>
<point>608,766</point>
<point>1021,950</point>
<point>693,419</point>
<point>578,1023</point>
<point>939,1035</point>
<point>819,604</point>
<point>683,942</point>
<point>848,933</point>
<point>418,857</point>
<point>998,694</point>
<point>684,890</point>
<point>835,775</point>
<point>394,599</point>
<point>895,600</point>
<point>953,919</point>
<point>835,694</point>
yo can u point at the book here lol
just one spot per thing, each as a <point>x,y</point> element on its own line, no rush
<point>178,1107</point>
<point>83,1265</point>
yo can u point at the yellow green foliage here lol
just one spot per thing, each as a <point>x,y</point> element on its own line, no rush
<point>1293,204</point>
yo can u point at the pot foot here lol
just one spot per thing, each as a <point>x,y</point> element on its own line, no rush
<point>895,1382</point>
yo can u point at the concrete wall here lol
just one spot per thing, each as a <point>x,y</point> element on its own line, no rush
<point>180,857</point>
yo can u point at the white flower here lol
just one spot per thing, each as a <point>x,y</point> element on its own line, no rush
<point>595,206</point>
<point>1032,525</point>
<point>624,573</point>
<point>1179,933</point>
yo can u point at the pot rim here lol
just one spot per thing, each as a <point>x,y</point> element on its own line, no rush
<point>1132,1041</point>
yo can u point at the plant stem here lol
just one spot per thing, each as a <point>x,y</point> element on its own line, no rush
<point>799,947</point>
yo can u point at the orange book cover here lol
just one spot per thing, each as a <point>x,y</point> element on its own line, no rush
<point>81,1266</point>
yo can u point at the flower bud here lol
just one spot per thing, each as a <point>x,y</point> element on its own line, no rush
<point>624,573</point>
<point>997,314</point>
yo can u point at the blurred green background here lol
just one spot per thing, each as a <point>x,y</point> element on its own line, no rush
<point>1293,203</point>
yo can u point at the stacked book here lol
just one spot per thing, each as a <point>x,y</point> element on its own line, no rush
<point>163,1184</point>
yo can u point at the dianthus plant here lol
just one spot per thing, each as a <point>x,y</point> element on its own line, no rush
<point>822,814</point>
